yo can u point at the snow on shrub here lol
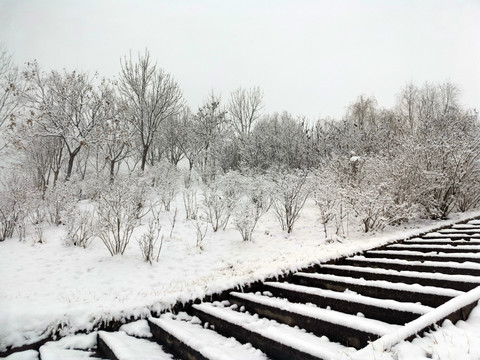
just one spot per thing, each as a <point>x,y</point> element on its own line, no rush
<point>190,203</point>
<point>80,226</point>
<point>59,199</point>
<point>290,192</point>
<point>255,203</point>
<point>118,210</point>
<point>8,215</point>
<point>166,181</point>
<point>201,227</point>
<point>148,241</point>
<point>371,199</point>
<point>215,206</point>
<point>16,194</point>
<point>246,218</point>
<point>92,186</point>
<point>468,196</point>
<point>220,197</point>
<point>190,180</point>
<point>327,196</point>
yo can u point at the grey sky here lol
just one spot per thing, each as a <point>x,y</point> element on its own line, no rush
<point>310,58</point>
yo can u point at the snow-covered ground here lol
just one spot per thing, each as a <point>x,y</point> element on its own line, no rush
<point>50,286</point>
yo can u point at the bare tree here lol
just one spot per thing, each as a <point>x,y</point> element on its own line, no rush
<point>244,109</point>
<point>67,106</point>
<point>152,97</point>
<point>209,126</point>
<point>186,138</point>
<point>44,156</point>
<point>407,104</point>
<point>363,112</point>
<point>170,139</point>
<point>10,88</point>
<point>116,132</point>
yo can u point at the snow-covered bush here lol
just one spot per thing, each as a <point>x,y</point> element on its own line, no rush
<point>440,158</point>
<point>92,186</point>
<point>369,206</point>
<point>59,199</point>
<point>38,233</point>
<point>373,197</point>
<point>201,227</point>
<point>219,199</point>
<point>327,197</point>
<point>290,192</point>
<point>255,202</point>
<point>190,180</point>
<point>148,241</point>
<point>190,203</point>
<point>16,196</point>
<point>139,187</point>
<point>246,218</point>
<point>80,226</point>
<point>215,206</point>
<point>8,215</point>
<point>167,180</point>
<point>468,196</point>
<point>232,185</point>
<point>117,209</point>
<point>189,177</point>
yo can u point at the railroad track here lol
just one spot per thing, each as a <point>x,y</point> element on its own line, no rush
<point>328,311</point>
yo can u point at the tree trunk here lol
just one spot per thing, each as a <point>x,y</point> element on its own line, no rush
<point>144,157</point>
<point>112,171</point>
<point>71,160</point>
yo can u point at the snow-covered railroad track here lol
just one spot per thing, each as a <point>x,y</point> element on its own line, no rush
<point>328,311</point>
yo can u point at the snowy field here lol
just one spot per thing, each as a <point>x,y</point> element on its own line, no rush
<point>50,286</point>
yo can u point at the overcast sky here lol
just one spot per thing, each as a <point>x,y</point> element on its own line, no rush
<point>310,58</point>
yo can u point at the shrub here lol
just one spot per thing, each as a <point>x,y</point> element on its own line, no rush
<point>59,199</point>
<point>166,179</point>
<point>149,239</point>
<point>16,195</point>
<point>219,199</point>
<point>118,214</point>
<point>327,197</point>
<point>255,203</point>
<point>80,225</point>
<point>290,193</point>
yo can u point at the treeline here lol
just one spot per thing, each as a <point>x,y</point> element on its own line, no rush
<point>379,166</point>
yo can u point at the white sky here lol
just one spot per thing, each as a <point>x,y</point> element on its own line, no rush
<point>310,58</point>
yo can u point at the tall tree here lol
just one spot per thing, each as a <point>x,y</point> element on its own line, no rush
<point>244,109</point>
<point>152,96</point>
<point>10,88</point>
<point>407,104</point>
<point>209,126</point>
<point>116,132</point>
<point>65,105</point>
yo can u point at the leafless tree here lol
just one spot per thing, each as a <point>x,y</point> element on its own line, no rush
<point>244,109</point>
<point>407,104</point>
<point>44,156</point>
<point>152,96</point>
<point>10,88</point>
<point>116,132</point>
<point>363,112</point>
<point>186,137</point>
<point>209,126</point>
<point>67,106</point>
<point>170,139</point>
